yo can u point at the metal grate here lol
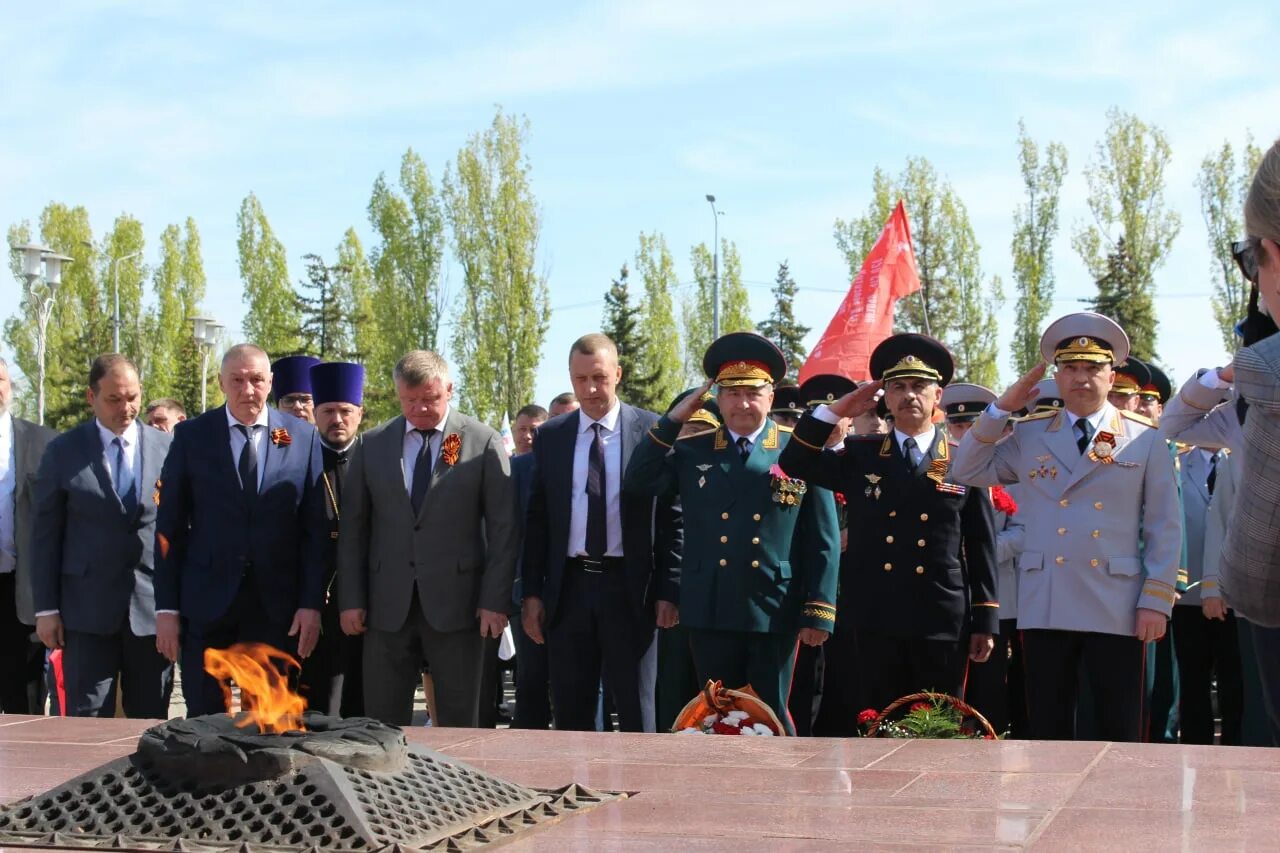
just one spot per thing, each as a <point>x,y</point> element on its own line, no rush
<point>423,800</point>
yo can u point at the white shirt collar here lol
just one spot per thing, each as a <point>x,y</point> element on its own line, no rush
<point>609,421</point>
<point>263,419</point>
<point>409,427</point>
<point>753,438</point>
<point>6,423</point>
<point>923,440</point>
<point>1095,420</point>
<point>130,434</point>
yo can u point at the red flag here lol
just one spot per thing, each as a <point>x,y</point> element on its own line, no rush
<point>865,317</point>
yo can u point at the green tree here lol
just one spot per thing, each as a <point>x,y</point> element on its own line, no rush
<point>79,328</point>
<point>166,321</point>
<point>504,310</point>
<point>622,322</point>
<point>175,332</point>
<point>956,303</point>
<point>322,330</point>
<point>1035,225</point>
<point>1223,185</point>
<point>660,362</point>
<point>125,238</point>
<point>272,319</point>
<point>782,327</point>
<point>355,290</point>
<point>1120,297</point>
<point>735,304</point>
<point>1126,199</point>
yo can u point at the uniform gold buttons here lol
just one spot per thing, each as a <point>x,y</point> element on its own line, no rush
<point>755,517</point>
<point>724,562</point>
<point>924,516</point>
<point>725,516</point>
<point>755,540</point>
<point>1064,502</point>
<point>1096,534</point>
<point>1060,560</point>
<point>920,543</point>
<point>755,564</point>
<point>889,539</point>
<point>888,566</point>
<point>1093,563</point>
<point>1098,505</point>
<point>724,539</point>
<point>1062,531</point>
<point>919,570</point>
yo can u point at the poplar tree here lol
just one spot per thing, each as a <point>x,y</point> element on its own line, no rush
<point>272,318</point>
<point>1223,183</point>
<point>735,304</point>
<point>660,361</point>
<point>1035,225</point>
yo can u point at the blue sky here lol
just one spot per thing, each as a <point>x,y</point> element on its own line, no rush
<point>638,109</point>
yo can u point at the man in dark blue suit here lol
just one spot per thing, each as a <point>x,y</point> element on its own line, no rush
<point>241,530</point>
<point>92,544</point>
<point>533,701</point>
<point>592,589</point>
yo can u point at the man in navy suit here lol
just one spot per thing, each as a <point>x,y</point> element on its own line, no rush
<point>241,530</point>
<point>591,587</point>
<point>92,543</point>
<point>533,682</point>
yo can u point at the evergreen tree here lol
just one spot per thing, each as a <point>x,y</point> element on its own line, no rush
<point>782,327</point>
<point>660,360</point>
<point>321,331</point>
<point>1035,225</point>
<point>272,319</point>
<point>1120,296</point>
<point>622,323</point>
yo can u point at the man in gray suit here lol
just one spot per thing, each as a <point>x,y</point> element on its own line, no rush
<point>1099,501</point>
<point>94,535</point>
<point>427,548</point>
<point>21,660</point>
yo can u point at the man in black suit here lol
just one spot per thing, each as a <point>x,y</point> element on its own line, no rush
<point>22,443</point>
<point>95,527</point>
<point>922,579</point>
<point>240,531</point>
<point>591,588</point>
<point>533,681</point>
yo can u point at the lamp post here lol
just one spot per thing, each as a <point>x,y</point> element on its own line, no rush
<point>115,284</point>
<point>207,334</point>
<point>715,276</point>
<point>41,298</point>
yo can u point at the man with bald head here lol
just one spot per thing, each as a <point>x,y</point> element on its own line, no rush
<point>240,530</point>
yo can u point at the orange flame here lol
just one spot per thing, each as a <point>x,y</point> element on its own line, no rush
<point>261,673</point>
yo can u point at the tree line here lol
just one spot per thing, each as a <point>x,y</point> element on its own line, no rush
<point>373,305</point>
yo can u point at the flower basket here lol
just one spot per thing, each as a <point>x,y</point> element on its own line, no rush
<point>928,715</point>
<point>720,710</point>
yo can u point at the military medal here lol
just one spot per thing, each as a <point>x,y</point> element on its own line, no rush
<point>786,490</point>
<point>702,481</point>
<point>874,487</point>
<point>1104,444</point>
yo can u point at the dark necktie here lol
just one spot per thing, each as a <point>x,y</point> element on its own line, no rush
<point>597,526</point>
<point>1086,434</point>
<point>913,454</point>
<point>248,465</point>
<point>1212,479</point>
<point>421,471</point>
<point>124,477</point>
<point>744,447</point>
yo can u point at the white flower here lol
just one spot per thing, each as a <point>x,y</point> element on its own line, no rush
<point>760,729</point>
<point>736,715</point>
<point>690,731</point>
<point>747,730</point>
<point>710,719</point>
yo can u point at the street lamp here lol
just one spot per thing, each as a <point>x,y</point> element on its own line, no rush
<point>41,298</point>
<point>115,284</point>
<point>715,261</point>
<point>207,334</point>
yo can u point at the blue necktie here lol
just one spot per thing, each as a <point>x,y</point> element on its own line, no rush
<point>248,464</point>
<point>914,456</point>
<point>123,477</point>
<point>421,471</point>
<point>597,527</point>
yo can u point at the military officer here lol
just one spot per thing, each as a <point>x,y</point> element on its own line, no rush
<point>1130,377</point>
<point>291,386</point>
<point>760,554</point>
<point>787,406</point>
<point>922,555</point>
<point>1047,397</point>
<point>963,402</point>
<point>1154,394</point>
<point>331,678</point>
<point>1100,505</point>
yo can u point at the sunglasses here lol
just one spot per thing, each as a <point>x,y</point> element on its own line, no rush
<point>1246,254</point>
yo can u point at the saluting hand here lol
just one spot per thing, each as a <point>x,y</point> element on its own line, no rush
<point>690,404</point>
<point>1022,393</point>
<point>1151,625</point>
<point>857,402</point>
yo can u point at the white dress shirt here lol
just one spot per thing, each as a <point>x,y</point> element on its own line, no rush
<point>923,440</point>
<point>611,441</point>
<point>260,438</point>
<point>413,446</point>
<point>8,494</point>
<point>751,439</point>
<point>130,438</point>
<point>1095,421</point>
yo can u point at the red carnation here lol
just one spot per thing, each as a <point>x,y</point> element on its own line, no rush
<point>723,728</point>
<point>840,499</point>
<point>922,706</point>
<point>1003,501</point>
<point>868,716</point>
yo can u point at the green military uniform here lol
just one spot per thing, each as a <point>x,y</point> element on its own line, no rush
<point>760,551</point>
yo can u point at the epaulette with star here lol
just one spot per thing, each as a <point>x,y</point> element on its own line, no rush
<point>1037,416</point>
<point>1142,419</point>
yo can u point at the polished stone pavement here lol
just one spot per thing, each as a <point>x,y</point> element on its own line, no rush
<point>721,793</point>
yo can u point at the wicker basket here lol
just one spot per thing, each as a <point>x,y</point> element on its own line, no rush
<point>965,709</point>
<point>715,698</point>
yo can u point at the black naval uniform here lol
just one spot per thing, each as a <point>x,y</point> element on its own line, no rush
<point>331,678</point>
<point>921,560</point>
